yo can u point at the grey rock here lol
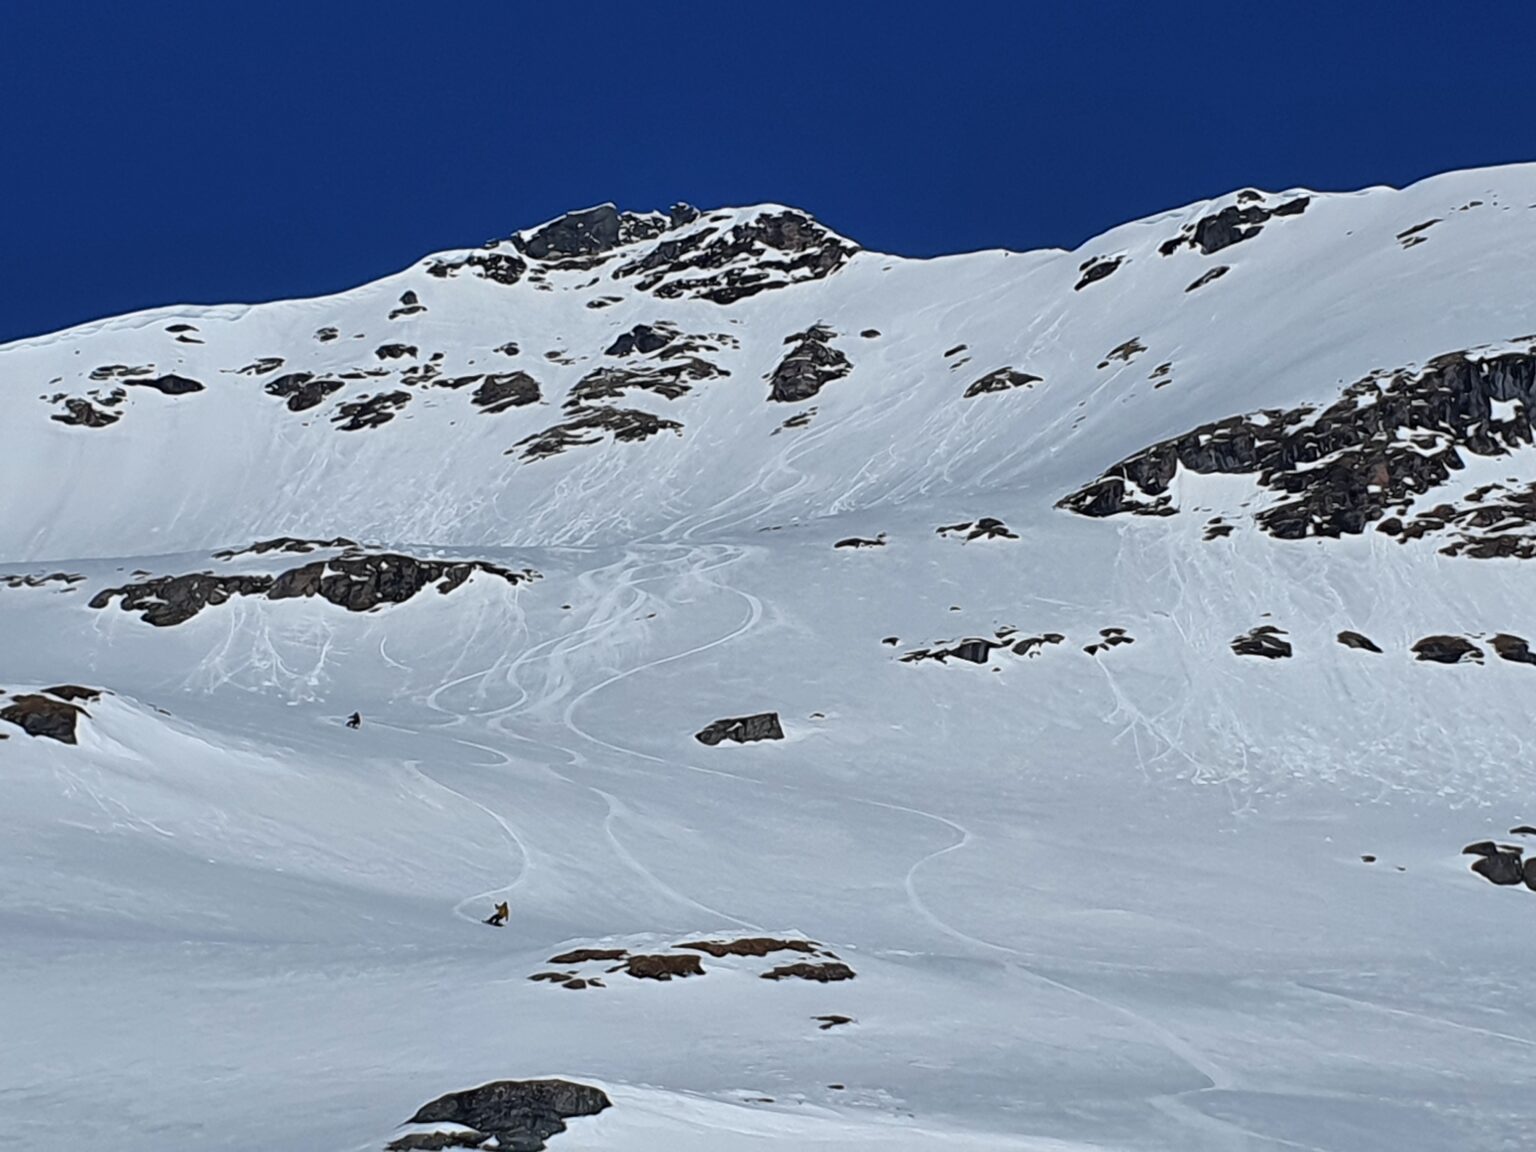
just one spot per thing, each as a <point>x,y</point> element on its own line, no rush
<point>742,729</point>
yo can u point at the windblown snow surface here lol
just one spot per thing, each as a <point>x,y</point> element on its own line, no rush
<point>1094,900</point>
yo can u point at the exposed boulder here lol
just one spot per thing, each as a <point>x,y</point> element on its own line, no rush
<point>395,351</point>
<point>861,542</point>
<point>663,967</point>
<point>587,955</point>
<point>44,716</point>
<point>1357,640</point>
<point>168,385</point>
<point>823,973</point>
<point>1501,866</point>
<point>302,390</point>
<point>1447,650</point>
<point>1265,641</point>
<point>520,1114</point>
<point>642,338</point>
<point>742,729</point>
<point>1513,648</point>
<point>499,392</point>
<point>1096,269</point>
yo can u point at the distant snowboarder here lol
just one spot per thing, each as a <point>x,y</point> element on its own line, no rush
<point>499,917</point>
<point>355,720</point>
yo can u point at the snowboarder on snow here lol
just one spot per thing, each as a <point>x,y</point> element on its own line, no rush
<point>355,720</point>
<point>499,917</point>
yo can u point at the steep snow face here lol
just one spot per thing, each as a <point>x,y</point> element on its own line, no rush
<point>612,376</point>
<point>1018,701</point>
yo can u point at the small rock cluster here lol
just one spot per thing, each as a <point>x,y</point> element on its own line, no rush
<point>575,972</point>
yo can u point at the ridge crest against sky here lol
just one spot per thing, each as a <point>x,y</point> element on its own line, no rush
<point>204,153</point>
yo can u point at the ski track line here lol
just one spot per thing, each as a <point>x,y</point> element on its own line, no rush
<point>616,808</point>
<point>526,865</point>
<point>1410,1014</point>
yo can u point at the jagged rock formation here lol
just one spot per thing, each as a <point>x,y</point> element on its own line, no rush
<point>355,580</point>
<point>1337,470</point>
<point>808,366</point>
<point>370,411</point>
<point>1233,224</point>
<point>302,390</point>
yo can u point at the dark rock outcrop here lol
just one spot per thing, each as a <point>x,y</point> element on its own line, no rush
<point>1386,441</point>
<point>44,716</point>
<point>1096,269</point>
<point>1501,866</point>
<point>1513,648</point>
<point>742,729</point>
<point>395,351</point>
<point>769,251</point>
<point>370,411</point>
<point>499,392</point>
<point>823,973</point>
<point>809,366</point>
<point>668,380</point>
<point>302,390</point>
<point>642,338</point>
<point>1447,650</point>
<point>588,424</point>
<point>1265,641</point>
<point>1357,640</point>
<point>1001,381</point>
<point>168,385</point>
<point>84,414</point>
<point>751,946</point>
<point>521,1114</point>
<point>861,542</point>
<point>501,267</point>
<point>663,967</point>
<point>357,581</point>
<point>1232,225</point>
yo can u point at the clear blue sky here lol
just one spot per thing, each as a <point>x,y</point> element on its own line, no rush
<point>162,151</point>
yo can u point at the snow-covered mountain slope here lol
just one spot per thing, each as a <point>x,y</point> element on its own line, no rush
<point>1145,629</point>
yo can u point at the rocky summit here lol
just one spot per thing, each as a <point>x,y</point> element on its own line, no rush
<point>630,604</point>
